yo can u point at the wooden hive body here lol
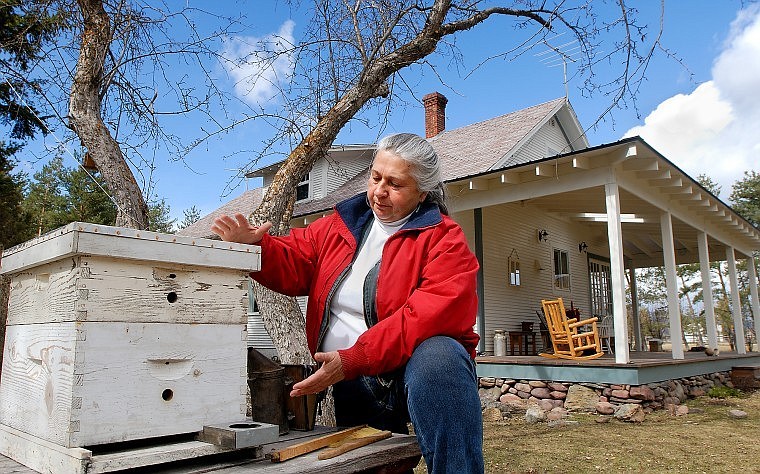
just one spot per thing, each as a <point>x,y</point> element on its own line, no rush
<point>116,335</point>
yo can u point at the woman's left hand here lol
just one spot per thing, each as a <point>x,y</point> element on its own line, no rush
<point>329,373</point>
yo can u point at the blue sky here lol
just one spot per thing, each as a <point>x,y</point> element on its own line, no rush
<point>706,122</point>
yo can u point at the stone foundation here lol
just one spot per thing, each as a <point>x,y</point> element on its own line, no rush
<point>509,395</point>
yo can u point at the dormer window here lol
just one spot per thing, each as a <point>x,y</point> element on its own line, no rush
<point>302,188</point>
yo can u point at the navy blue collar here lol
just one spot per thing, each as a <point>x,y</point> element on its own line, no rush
<point>356,214</point>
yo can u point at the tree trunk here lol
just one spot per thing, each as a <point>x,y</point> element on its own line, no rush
<point>283,318</point>
<point>86,121</point>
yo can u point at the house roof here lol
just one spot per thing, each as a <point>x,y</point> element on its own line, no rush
<point>352,187</point>
<point>482,157</point>
<point>245,204</point>
<point>464,151</point>
<point>334,151</point>
<point>479,147</point>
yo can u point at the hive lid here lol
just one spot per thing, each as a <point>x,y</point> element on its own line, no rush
<point>81,238</point>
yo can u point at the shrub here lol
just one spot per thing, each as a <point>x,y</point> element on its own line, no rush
<point>724,392</point>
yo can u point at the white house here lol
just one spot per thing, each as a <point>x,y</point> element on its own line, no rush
<point>548,215</point>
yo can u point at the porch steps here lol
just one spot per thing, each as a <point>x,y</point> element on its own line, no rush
<point>746,377</point>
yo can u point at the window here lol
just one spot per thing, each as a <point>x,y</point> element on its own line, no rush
<point>513,263</point>
<point>561,270</point>
<point>302,188</point>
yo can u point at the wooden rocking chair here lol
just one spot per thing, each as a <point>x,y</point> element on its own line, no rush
<point>568,338</point>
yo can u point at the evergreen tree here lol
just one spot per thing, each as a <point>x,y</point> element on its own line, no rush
<point>745,197</point>
<point>14,223</point>
<point>24,29</point>
<point>159,219</point>
<point>59,195</point>
<point>190,217</point>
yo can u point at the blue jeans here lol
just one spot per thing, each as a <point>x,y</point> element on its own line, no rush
<point>437,391</point>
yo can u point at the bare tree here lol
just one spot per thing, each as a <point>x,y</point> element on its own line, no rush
<point>354,55</point>
<point>87,121</point>
<point>116,74</point>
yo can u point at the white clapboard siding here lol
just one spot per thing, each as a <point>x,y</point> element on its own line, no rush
<point>258,337</point>
<point>514,226</point>
<point>548,137</point>
<point>83,384</point>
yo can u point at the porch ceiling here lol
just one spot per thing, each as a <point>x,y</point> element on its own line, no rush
<point>642,241</point>
<point>572,187</point>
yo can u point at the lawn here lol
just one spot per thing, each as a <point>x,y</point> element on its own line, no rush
<point>706,440</point>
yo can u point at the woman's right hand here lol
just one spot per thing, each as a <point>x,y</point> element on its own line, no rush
<point>238,229</point>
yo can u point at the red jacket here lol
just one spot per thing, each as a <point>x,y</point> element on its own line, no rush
<point>426,285</point>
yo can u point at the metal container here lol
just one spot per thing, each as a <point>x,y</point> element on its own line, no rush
<point>499,343</point>
<point>266,379</point>
<point>302,411</point>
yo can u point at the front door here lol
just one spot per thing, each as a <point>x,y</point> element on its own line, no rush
<point>600,282</point>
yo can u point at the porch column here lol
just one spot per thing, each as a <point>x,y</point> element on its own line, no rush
<point>671,281</point>
<point>637,339</point>
<point>704,267</point>
<point>736,305</point>
<point>752,274</point>
<point>617,271</point>
<point>480,321</point>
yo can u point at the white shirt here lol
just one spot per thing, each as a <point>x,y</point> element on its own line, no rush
<point>347,307</point>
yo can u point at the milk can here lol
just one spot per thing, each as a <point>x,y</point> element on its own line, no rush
<point>499,343</point>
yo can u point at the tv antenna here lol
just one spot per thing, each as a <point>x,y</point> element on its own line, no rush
<point>560,55</point>
<point>240,171</point>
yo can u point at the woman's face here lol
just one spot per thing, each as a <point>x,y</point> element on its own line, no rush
<point>391,190</point>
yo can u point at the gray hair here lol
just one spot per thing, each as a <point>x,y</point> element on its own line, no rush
<point>425,165</point>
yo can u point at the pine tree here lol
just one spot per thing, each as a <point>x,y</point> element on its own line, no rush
<point>14,223</point>
<point>190,217</point>
<point>745,197</point>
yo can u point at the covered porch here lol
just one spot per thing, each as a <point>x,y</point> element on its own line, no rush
<point>607,211</point>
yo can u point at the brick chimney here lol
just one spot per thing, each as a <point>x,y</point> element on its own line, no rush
<point>435,113</point>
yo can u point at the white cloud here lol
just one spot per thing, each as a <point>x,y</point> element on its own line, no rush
<point>715,130</point>
<point>260,66</point>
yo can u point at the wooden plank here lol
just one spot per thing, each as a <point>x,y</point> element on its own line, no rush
<point>37,383</point>
<point>118,290</point>
<point>311,445</point>
<point>107,289</point>
<point>40,455</point>
<point>147,380</point>
<point>352,443</point>
<point>398,454</point>
<point>153,456</point>
<point>131,244</point>
<point>47,292</point>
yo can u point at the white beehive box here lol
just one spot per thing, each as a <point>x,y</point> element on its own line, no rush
<point>116,334</point>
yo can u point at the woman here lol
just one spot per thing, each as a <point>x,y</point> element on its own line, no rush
<point>392,303</point>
